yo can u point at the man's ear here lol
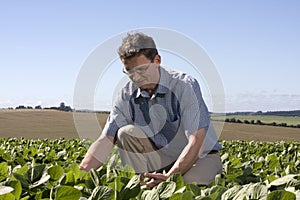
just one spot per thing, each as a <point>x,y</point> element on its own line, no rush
<point>157,59</point>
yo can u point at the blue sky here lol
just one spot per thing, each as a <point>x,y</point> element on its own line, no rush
<point>254,44</point>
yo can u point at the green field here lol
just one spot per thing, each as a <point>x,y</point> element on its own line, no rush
<point>49,169</point>
<point>263,118</point>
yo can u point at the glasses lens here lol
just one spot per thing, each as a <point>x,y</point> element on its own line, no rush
<point>140,70</point>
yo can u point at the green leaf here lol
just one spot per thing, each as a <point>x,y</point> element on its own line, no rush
<point>35,173</point>
<point>283,180</point>
<point>251,191</point>
<point>6,157</point>
<point>176,196</point>
<point>5,189</point>
<point>188,195</point>
<point>150,195</point>
<point>43,179</point>
<point>132,188</point>
<point>127,171</point>
<point>273,162</point>
<point>102,192</point>
<point>24,182</point>
<point>95,177</point>
<point>119,183</point>
<point>55,172</point>
<point>230,193</point>
<point>178,179</point>
<point>7,196</point>
<point>3,171</point>
<point>258,191</point>
<point>16,185</point>
<point>216,192</point>
<point>166,189</point>
<point>69,179</point>
<point>195,189</point>
<point>22,170</point>
<point>67,193</point>
<point>281,195</point>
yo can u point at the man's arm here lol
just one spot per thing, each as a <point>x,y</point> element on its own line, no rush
<point>185,161</point>
<point>190,153</point>
<point>97,153</point>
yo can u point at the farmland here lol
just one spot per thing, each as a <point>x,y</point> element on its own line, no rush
<point>42,124</point>
<point>259,162</point>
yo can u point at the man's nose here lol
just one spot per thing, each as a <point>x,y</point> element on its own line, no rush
<point>136,77</point>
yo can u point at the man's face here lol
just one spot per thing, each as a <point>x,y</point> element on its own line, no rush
<point>142,71</point>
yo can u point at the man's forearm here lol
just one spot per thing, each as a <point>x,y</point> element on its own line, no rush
<point>190,154</point>
<point>97,153</point>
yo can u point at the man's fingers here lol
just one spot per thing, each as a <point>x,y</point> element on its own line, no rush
<point>156,176</point>
<point>153,183</point>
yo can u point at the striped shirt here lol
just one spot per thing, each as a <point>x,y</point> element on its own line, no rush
<point>175,110</point>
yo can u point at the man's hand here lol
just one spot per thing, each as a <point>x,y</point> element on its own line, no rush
<point>89,162</point>
<point>97,153</point>
<point>155,179</point>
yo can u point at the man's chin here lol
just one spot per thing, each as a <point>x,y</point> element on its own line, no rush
<point>143,85</point>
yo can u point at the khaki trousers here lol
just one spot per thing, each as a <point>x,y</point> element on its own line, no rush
<point>137,151</point>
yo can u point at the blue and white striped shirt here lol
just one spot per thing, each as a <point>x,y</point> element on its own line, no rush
<point>175,110</point>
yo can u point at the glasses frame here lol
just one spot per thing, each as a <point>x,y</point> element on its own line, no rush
<point>140,69</point>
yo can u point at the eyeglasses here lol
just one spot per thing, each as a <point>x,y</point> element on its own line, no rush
<point>140,70</point>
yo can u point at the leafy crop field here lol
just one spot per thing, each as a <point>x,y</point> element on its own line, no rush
<point>48,169</point>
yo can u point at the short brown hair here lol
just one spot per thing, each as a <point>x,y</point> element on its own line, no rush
<point>136,44</point>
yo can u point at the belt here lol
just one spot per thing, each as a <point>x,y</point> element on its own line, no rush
<point>213,152</point>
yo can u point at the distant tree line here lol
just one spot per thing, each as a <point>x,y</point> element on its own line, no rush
<point>259,122</point>
<point>292,113</point>
<point>61,107</point>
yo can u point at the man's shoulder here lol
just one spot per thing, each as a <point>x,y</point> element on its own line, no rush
<point>178,76</point>
<point>128,89</point>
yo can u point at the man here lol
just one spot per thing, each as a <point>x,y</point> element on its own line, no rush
<point>159,121</point>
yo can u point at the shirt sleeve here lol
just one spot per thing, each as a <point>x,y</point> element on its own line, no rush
<point>119,116</point>
<point>194,111</point>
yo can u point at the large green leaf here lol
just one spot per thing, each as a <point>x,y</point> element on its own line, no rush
<point>3,171</point>
<point>102,192</point>
<point>216,192</point>
<point>67,193</point>
<point>176,196</point>
<point>132,188</point>
<point>35,173</point>
<point>178,179</point>
<point>119,183</point>
<point>24,182</point>
<point>195,189</point>
<point>16,185</point>
<point>166,189</point>
<point>283,180</point>
<point>258,191</point>
<point>252,191</point>
<point>55,172</point>
<point>8,196</point>
<point>187,195</point>
<point>231,193</point>
<point>150,195</point>
<point>281,195</point>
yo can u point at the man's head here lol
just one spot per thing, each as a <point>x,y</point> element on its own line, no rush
<point>141,60</point>
<point>137,44</point>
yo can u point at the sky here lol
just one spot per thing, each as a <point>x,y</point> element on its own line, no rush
<point>254,45</point>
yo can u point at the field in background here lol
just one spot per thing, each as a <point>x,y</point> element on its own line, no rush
<point>53,124</point>
<point>264,118</point>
